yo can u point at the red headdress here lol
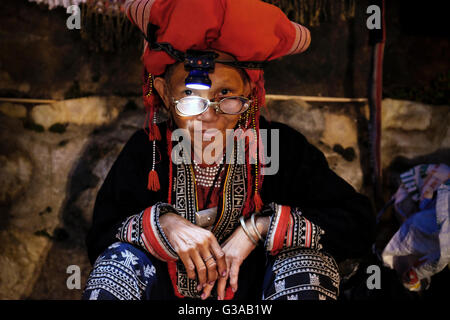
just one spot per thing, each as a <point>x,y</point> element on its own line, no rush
<point>250,30</point>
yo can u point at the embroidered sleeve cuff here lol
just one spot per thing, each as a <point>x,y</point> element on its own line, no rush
<point>144,230</point>
<point>153,233</point>
<point>289,229</point>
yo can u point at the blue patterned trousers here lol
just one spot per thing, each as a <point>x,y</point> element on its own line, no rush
<point>125,272</point>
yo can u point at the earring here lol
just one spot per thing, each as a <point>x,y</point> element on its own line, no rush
<point>153,134</point>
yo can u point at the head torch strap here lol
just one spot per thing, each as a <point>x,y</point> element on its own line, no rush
<point>244,64</point>
<point>167,48</point>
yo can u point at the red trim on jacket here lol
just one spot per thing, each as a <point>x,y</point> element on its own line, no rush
<point>280,232</point>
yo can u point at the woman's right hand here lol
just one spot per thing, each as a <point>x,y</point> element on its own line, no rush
<point>197,248</point>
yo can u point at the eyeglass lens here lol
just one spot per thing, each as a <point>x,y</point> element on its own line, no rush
<point>192,105</point>
<point>197,105</point>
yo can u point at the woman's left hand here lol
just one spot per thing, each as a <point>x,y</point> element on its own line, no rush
<point>237,248</point>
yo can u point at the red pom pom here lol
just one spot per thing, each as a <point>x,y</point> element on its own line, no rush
<point>153,181</point>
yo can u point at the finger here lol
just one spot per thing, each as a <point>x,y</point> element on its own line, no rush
<point>211,267</point>
<point>207,290</point>
<point>220,258</point>
<point>222,283</point>
<point>234,274</point>
<point>188,264</point>
<point>210,263</point>
<point>200,267</point>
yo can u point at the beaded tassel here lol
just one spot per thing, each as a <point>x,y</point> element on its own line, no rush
<point>154,134</point>
<point>256,198</point>
<point>153,179</point>
<point>253,201</point>
<point>247,205</point>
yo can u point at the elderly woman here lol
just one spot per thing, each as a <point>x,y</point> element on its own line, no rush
<point>192,207</point>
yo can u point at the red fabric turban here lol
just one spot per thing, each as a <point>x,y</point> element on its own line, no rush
<point>250,30</point>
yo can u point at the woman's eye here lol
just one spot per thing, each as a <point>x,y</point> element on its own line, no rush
<point>187,92</point>
<point>225,92</point>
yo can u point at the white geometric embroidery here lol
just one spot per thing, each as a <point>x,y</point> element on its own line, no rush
<point>129,258</point>
<point>114,245</point>
<point>292,297</point>
<point>94,294</point>
<point>113,256</point>
<point>322,297</point>
<point>314,279</point>
<point>280,285</point>
<point>149,271</point>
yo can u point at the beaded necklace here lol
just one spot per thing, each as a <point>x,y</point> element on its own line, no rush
<point>205,176</point>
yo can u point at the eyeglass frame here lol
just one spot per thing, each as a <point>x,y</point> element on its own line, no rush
<point>214,104</point>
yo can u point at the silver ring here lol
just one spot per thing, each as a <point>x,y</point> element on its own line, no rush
<point>210,257</point>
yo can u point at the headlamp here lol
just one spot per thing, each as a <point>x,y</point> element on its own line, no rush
<point>199,64</point>
<point>198,80</point>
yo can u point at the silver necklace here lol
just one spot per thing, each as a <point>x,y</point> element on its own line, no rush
<point>205,175</point>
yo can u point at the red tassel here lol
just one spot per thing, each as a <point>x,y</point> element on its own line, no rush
<point>154,133</point>
<point>148,102</point>
<point>153,181</point>
<point>258,202</point>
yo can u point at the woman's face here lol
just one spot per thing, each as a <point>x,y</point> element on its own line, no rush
<point>226,81</point>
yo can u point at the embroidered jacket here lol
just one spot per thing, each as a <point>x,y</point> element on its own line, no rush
<point>311,206</point>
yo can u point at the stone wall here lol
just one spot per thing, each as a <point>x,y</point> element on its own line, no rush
<point>332,128</point>
<point>52,166</point>
<point>412,129</point>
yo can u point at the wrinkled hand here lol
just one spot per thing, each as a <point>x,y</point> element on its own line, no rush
<point>195,246</point>
<point>237,248</point>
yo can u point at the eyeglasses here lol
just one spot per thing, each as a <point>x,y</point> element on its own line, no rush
<point>195,105</point>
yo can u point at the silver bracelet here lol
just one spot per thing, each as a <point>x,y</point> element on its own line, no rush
<point>252,219</point>
<point>246,231</point>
